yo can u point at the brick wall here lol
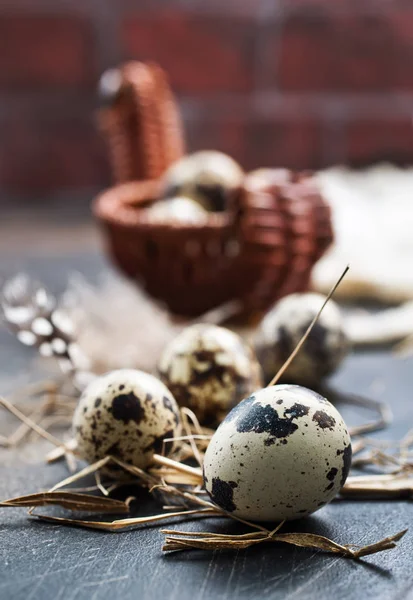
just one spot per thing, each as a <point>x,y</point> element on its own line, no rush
<point>301,83</point>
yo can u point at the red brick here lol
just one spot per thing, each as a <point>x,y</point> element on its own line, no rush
<point>278,142</point>
<point>214,133</point>
<point>257,141</point>
<point>322,50</point>
<point>376,140</point>
<point>201,53</point>
<point>217,7</point>
<point>44,154</point>
<point>45,51</point>
<point>355,6</point>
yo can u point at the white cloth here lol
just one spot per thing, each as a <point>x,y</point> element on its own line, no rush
<point>372,212</point>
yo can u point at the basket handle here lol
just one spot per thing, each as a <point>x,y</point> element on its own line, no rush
<point>140,121</point>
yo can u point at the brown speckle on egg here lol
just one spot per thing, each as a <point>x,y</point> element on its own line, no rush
<point>127,407</point>
<point>332,473</point>
<point>324,420</point>
<point>347,455</point>
<point>222,493</point>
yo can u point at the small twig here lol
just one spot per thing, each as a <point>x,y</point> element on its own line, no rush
<point>194,420</point>
<point>4,441</point>
<point>38,388</point>
<point>83,473</point>
<point>185,423</point>
<point>358,446</point>
<point>180,467</point>
<point>383,409</point>
<point>386,544</point>
<point>69,500</point>
<point>173,477</point>
<point>184,438</point>
<point>180,540</point>
<point>378,486</point>
<point>121,524</point>
<point>23,429</point>
<point>71,462</point>
<point>100,485</point>
<point>143,477</point>
<point>245,536</point>
<point>59,453</point>
<point>39,430</point>
<point>205,503</point>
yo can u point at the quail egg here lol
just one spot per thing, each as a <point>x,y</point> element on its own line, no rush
<point>209,369</point>
<point>282,453</point>
<point>208,177</point>
<point>128,414</point>
<point>179,209</point>
<point>283,327</point>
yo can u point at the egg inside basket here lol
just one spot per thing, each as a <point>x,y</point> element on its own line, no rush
<point>260,248</point>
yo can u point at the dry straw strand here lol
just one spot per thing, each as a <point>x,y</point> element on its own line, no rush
<point>70,501</point>
<point>178,540</point>
<point>298,347</point>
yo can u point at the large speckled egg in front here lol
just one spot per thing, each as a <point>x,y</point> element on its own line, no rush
<point>209,369</point>
<point>283,327</point>
<point>282,453</point>
<point>128,414</point>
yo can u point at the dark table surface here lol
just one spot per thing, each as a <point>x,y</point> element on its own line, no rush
<point>42,561</point>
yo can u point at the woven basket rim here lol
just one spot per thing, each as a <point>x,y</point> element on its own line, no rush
<point>119,206</point>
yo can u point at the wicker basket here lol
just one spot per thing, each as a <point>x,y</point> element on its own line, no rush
<point>142,125</point>
<point>261,249</point>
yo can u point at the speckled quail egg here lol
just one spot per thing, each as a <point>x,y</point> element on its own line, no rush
<point>282,453</point>
<point>128,414</point>
<point>284,325</point>
<point>209,369</point>
<point>208,177</point>
<point>179,209</point>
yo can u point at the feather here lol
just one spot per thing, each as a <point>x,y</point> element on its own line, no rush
<point>94,328</point>
<point>33,314</point>
<point>119,326</point>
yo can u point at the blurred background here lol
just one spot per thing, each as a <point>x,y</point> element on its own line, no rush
<point>296,83</point>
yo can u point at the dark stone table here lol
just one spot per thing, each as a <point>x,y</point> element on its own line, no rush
<point>42,561</point>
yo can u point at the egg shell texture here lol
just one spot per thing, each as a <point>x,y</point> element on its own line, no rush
<point>128,414</point>
<point>209,369</point>
<point>282,453</point>
<point>283,327</point>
